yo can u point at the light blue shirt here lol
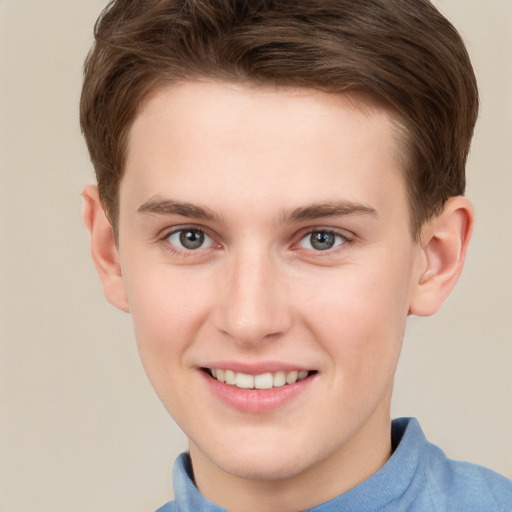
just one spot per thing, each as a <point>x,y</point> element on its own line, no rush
<point>418,477</point>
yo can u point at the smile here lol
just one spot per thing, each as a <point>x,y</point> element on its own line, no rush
<point>267,380</point>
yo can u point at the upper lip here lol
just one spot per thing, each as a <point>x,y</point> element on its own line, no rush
<point>255,368</point>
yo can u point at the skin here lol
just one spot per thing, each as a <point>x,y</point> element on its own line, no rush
<point>259,169</point>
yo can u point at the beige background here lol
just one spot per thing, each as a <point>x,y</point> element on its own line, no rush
<point>80,428</point>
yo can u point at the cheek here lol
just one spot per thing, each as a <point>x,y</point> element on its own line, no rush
<point>168,308</point>
<point>360,320</point>
<point>167,313</point>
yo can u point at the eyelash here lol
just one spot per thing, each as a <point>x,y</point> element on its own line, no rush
<point>185,252</point>
<point>345,241</point>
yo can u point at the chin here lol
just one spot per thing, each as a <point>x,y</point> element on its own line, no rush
<point>265,470</point>
<point>268,461</point>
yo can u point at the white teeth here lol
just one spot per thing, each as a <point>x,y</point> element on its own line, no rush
<point>279,379</point>
<point>291,377</point>
<point>262,381</point>
<point>302,374</point>
<point>244,381</point>
<point>230,377</point>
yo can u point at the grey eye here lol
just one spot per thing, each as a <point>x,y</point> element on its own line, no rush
<point>190,239</point>
<point>321,240</point>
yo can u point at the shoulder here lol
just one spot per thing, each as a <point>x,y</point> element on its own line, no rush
<point>432,481</point>
<point>461,486</point>
<point>168,507</point>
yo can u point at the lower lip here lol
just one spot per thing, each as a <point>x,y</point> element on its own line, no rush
<point>257,400</point>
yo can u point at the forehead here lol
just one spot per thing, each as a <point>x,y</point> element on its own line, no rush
<point>208,141</point>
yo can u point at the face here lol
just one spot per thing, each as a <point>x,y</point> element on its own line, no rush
<point>268,265</point>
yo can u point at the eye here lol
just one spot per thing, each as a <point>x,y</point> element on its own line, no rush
<point>190,239</point>
<point>322,240</point>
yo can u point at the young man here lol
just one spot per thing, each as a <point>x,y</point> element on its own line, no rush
<point>280,184</point>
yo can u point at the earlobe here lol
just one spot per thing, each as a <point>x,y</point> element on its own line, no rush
<point>103,248</point>
<point>444,243</point>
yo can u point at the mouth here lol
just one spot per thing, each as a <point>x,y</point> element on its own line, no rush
<point>268,380</point>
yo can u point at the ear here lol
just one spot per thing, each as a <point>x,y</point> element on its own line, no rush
<point>103,248</point>
<point>444,243</point>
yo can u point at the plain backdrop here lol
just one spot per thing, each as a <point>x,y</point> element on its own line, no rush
<point>80,428</point>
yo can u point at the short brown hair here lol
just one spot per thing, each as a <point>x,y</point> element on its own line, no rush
<point>403,52</point>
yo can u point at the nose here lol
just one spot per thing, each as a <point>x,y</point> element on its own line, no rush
<point>253,306</point>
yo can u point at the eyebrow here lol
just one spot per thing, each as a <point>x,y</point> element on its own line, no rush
<point>161,206</point>
<point>329,209</point>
